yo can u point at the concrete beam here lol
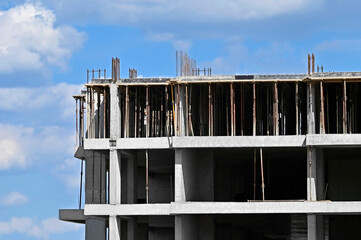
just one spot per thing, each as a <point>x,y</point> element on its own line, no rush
<point>333,140</point>
<point>303,207</point>
<point>198,142</point>
<point>127,209</point>
<point>239,141</point>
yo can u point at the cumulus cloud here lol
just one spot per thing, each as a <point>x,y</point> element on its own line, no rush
<point>41,230</point>
<point>12,154</point>
<point>58,96</point>
<point>14,199</point>
<point>29,39</point>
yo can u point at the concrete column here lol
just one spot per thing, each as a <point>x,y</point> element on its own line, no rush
<point>186,227</point>
<point>114,112</point>
<point>315,191</point>
<point>311,108</point>
<point>95,229</point>
<point>114,228</point>
<point>185,174</point>
<point>315,225</point>
<point>182,110</point>
<point>315,174</point>
<point>114,177</point>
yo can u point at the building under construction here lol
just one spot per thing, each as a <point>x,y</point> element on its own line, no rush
<point>219,157</point>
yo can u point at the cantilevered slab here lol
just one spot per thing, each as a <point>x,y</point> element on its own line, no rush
<point>127,209</point>
<point>72,215</point>
<point>239,141</point>
<point>332,140</point>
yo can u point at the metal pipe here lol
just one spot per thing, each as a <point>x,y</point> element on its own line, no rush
<point>309,64</point>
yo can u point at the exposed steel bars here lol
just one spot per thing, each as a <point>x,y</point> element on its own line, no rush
<point>344,108</point>
<point>275,110</point>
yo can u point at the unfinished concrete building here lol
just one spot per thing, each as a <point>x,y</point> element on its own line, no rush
<point>220,157</point>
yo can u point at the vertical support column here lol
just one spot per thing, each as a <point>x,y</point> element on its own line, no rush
<point>114,177</point>
<point>322,112</point>
<point>242,108</point>
<point>114,112</point>
<point>186,227</point>
<point>105,113</point>
<point>311,107</point>
<point>187,111</point>
<point>344,108</point>
<point>182,110</point>
<point>254,109</point>
<point>275,110</point>
<point>95,229</point>
<point>114,228</point>
<point>185,182</point>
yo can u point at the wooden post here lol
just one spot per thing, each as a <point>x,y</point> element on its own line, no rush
<point>147,111</point>
<point>242,109</point>
<point>136,112</point>
<point>166,110</point>
<point>275,111</point>
<point>344,108</point>
<point>233,122</point>
<point>297,110</point>
<point>187,111</point>
<point>210,110</point>
<point>146,176</point>
<point>322,113</point>
<point>126,122</point>
<point>105,113</point>
<point>254,109</point>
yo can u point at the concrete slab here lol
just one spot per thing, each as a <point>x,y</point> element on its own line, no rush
<point>333,140</point>
<point>72,215</point>
<point>126,209</point>
<point>239,141</point>
<point>279,207</point>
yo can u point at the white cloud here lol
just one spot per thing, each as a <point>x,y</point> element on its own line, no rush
<point>41,230</point>
<point>29,99</point>
<point>29,40</point>
<point>14,198</point>
<point>170,37</point>
<point>12,154</point>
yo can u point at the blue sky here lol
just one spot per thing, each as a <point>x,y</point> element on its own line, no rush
<point>47,46</point>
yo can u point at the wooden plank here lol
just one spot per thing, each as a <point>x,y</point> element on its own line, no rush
<point>275,110</point>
